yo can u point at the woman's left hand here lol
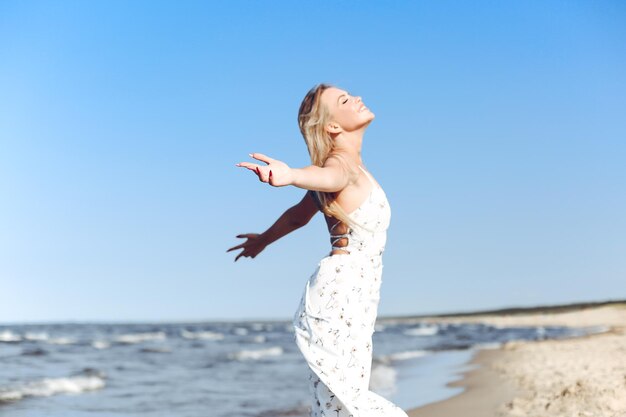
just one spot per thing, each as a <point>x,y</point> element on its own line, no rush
<point>254,244</point>
<point>275,173</point>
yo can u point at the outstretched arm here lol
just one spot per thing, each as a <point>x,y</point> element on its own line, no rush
<point>292,219</point>
<point>332,177</point>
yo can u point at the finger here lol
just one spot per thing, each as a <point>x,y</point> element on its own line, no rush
<point>252,167</point>
<point>262,173</point>
<point>239,256</point>
<point>261,157</point>
<point>249,165</point>
<point>236,247</point>
<point>246,235</point>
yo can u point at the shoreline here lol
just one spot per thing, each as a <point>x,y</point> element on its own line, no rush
<point>581,375</point>
<point>483,391</point>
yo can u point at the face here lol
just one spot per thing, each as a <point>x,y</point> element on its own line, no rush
<point>347,112</point>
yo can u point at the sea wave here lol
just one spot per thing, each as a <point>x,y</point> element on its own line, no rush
<point>202,335</point>
<point>383,379</point>
<point>428,330</point>
<point>133,338</point>
<point>100,344</point>
<point>256,354</point>
<point>402,356</point>
<point>257,327</point>
<point>259,338</point>
<point>597,329</point>
<point>61,341</point>
<point>155,350</point>
<point>488,345</point>
<point>36,337</point>
<point>240,331</point>
<point>8,336</point>
<point>50,386</point>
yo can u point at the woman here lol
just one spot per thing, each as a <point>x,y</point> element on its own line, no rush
<point>335,320</point>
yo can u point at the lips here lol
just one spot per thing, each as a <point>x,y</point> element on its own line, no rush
<point>362,108</point>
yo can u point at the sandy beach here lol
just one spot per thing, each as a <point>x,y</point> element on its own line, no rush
<point>583,376</point>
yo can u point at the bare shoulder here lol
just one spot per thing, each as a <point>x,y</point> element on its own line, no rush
<point>340,163</point>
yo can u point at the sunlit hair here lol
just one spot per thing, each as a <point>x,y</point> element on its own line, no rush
<point>312,117</point>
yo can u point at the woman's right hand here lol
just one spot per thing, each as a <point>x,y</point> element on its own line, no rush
<point>251,247</point>
<point>275,173</point>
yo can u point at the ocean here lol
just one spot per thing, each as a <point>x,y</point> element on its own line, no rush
<point>220,369</point>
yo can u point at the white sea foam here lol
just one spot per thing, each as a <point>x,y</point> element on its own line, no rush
<point>379,327</point>
<point>9,336</point>
<point>383,380</point>
<point>487,345</point>
<point>427,330</point>
<point>140,337</point>
<point>61,341</point>
<point>203,335</point>
<point>36,337</point>
<point>101,344</point>
<point>51,386</point>
<point>258,339</point>
<point>401,356</point>
<point>409,354</point>
<point>241,331</point>
<point>597,329</point>
<point>256,354</point>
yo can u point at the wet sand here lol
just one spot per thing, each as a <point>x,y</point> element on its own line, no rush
<point>583,376</point>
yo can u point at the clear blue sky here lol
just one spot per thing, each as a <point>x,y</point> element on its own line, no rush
<point>500,139</point>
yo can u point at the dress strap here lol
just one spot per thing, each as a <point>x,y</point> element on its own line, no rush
<point>337,237</point>
<point>367,175</point>
<point>337,224</point>
<point>335,246</point>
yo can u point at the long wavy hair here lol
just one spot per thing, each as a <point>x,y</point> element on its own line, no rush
<point>312,117</point>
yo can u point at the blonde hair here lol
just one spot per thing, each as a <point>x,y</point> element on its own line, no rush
<point>312,117</point>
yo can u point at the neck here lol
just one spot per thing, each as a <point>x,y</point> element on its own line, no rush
<point>349,143</point>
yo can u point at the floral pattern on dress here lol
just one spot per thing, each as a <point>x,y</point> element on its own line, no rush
<point>335,319</point>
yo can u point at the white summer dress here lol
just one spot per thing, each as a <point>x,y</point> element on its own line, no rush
<point>334,322</point>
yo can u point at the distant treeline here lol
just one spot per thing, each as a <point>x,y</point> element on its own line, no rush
<point>561,308</point>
